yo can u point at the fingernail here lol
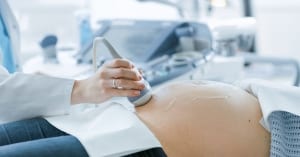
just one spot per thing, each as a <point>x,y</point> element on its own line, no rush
<point>136,93</point>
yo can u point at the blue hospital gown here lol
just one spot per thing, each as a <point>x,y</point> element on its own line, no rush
<point>285,134</point>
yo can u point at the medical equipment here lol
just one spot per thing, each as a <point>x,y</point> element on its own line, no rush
<point>146,93</point>
<point>177,66</point>
<point>48,44</point>
<point>84,26</point>
<point>233,36</point>
<point>142,41</point>
<point>152,44</point>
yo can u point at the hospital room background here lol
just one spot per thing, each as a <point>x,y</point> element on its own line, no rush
<point>243,39</point>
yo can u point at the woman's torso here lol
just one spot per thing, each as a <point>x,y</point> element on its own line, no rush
<point>206,119</point>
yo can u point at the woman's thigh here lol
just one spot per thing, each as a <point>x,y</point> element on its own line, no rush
<point>62,146</point>
<point>27,130</point>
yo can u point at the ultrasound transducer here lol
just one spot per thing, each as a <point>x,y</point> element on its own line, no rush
<point>146,93</point>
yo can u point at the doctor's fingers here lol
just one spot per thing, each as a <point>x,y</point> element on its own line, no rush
<point>123,92</point>
<point>119,63</point>
<point>121,73</point>
<point>123,84</point>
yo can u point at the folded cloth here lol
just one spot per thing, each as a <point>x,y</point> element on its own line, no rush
<point>280,105</point>
<point>273,97</point>
<point>109,130</point>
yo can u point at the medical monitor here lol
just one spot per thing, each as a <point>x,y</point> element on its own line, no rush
<point>139,41</point>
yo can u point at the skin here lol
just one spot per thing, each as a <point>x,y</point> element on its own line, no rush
<point>206,119</point>
<point>99,87</point>
<point>201,119</point>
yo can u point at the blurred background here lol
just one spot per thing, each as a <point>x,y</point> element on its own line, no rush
<point>38,18</point>
<point>272,27</point>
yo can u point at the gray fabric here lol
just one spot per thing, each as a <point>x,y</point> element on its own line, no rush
<point>285,134</point>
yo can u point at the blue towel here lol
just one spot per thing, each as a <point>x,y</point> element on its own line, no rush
<point>5,49</point>
<point>285,134</point>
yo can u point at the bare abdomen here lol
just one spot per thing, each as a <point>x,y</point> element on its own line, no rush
<point>206,119</point>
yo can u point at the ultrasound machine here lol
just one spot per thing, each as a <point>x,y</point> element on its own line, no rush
<point>164,50</point>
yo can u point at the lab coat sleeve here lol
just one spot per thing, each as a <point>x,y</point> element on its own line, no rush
<point>25,96</point>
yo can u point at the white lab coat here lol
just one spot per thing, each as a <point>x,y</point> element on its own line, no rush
<point>26,96</point>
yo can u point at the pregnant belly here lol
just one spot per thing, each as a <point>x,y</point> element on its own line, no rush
<point>206,119</point>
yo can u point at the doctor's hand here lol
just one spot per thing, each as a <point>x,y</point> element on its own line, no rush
<point>116,78</point>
